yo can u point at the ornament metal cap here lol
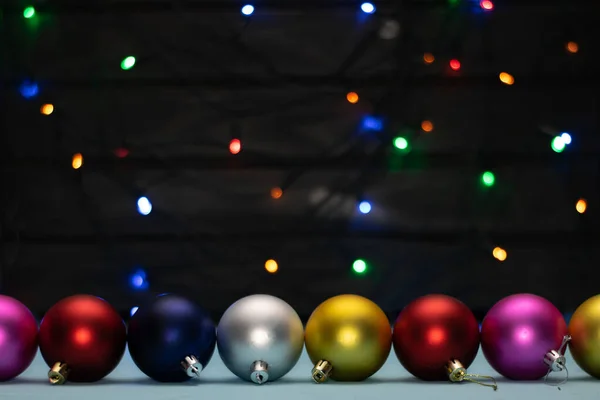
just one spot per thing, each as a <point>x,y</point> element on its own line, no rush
<point>321,371</point>
<point>259,373</point>
<point>192,366</point>
<point>58,373</point>
<point>557,362</point>
<point>458,373</point>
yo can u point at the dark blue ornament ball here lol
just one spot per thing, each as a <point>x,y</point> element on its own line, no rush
<point>164,332</point>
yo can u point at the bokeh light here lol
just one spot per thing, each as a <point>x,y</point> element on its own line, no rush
<point>47,109</point>
<point>368,8</point>
<point>121,152</point>
<point>271,266</point>
<point>127,63</point>
<point>133,311</point>
<point>488,178</point>
<point>581,206</point>
<point>566,138</point>
<point>144,205</point>
<point>29,12</point>
<point>455,64</point>
<point>248,9</point>
<point>235,146</point>
<point>276,192</point>
<point>499,253</point>
<point>428,58</point>
<point>487,5</point>
<point>427,126</point>
<point>558,144</point>
<point>506,78</point>
<point>77,161</point>
<point>352,97</point>
<point>572,47</point>
<point>29,89</point>
<point>138,280</point>
<point>401,143</point>
<point>364,207</point>
<point>359,266</point>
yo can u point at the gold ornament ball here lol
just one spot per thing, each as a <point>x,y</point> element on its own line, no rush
<point>348,338</point>
<point>584,329</point>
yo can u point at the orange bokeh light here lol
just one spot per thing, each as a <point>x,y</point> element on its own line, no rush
<point>581,206</point>
<point>499,254</point>
<point>428,58</point>
<point>47,109</point>
<point>352,97</point>
<point>427,126</point>
<point>506,78</point>
<point>77,161</point>
<point>276,192</point>
<point>572,47</point>
<point>271,266</point>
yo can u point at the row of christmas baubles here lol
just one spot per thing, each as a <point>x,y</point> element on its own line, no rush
<point>260,338</point>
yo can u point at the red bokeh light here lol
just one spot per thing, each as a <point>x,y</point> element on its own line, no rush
<point>235,146</point>
<point>121,152</point>
<point>487,5</point>
<point>455,65</point>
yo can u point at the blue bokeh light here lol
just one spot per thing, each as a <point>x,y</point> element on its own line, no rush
<point>566,138</point>
<point>370,123</point>
<point>138,280</point>
<point>368,8</point>
<point>248,9</point>
<point>29,89</point>
<point>364,207</point>
<point>144,206</point>
<point>133,311</point>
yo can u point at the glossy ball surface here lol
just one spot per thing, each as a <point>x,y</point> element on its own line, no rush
<point>86,333</point>
<point>431,331</point>
<point>260,328</point>
<point>165,331</point>
<point>584,329</point>
<point>517,333</point>
<point>350,332</point>
<point>18,338</point>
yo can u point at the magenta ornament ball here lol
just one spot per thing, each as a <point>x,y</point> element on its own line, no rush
<point>517,333</point>
<point>18,338</point>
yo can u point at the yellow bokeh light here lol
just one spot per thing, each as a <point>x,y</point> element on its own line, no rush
<point>506,78</point>
<point>77,161</point>
<point>47,109</point>
<point>572,47</point>
<point>276,192</point>
<point>581,206</point>
<point>352,97</point>
<point>428,58</point>
<point>499,254</point>
<point>427,126</point>
<point>271,266</point>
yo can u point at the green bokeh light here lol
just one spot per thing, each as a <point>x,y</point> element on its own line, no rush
<point>488,178</point>
<point>29,12</point>
<point>401,143</point>
<point>558,144</point>
<point>128,63</point>
<point>359,266</point>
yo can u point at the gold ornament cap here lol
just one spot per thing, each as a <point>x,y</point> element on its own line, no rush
<point>321,371</point>
<point>58,374</point>
<point>458,373</point>
<point>557,362</point>
<point>191,366</point>
<point>259,372</point>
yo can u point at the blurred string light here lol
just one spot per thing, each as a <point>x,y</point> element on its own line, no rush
<point>506,78</point>
<point>370,123</point>
<point>487,5</point>
<point>144,205</point>
<point>364,207</point>
<point>248,9</point>
<point>121,152</point>
<point>77,161</point>
<point>29,89</point>
<point>572,47</point>
<point>359,266</point>
<point>367,8</point>
<point>133,311</point>
<point>127,63</point>
<point>499,253</point>
<point>29,12</point>
<point>271,266</point>
<point>455,64</point>
<point>47,109</point>
<point>581,206</point>
<point>235,146</point>
<point>488,179</point>
<point>566,138</point>
<point>401,143</point>
<point>138,280</point>
<point>276,193</point>
<point>352,97</point>
<point>558,143</point>
<point>428,58</point>
<point>427,126</point>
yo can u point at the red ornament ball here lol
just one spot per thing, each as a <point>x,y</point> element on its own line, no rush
<point>85,333</point>
<point>431,331</point>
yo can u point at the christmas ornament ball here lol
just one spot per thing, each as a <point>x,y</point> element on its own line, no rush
<point>18,338</point>
<point>584,328</point>
<point>171,339</point>
<point>260,338</point>
<point>348,338</point>
<point>518,331</point>
<point>431,332</point>
<point>82,339</point>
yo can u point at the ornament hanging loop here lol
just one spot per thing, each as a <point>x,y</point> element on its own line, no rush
<point>556,362</point>
<point>458,373</point>
<point>58,374</point>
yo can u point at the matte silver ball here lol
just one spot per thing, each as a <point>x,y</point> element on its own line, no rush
<point>260,338</point>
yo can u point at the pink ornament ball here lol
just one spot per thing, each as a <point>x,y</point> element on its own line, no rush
<point>517,333</point>
<point>18,338</point>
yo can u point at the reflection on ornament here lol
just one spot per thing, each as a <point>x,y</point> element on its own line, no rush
<point>348,338</point>
<point>82,339</point>
<point>18,338</point>
<point>171,339</point>
<point>260,338</point>
<point>436,337</point>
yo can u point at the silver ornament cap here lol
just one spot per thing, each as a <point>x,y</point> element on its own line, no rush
<point>260,373</point>
<point>191,366</point>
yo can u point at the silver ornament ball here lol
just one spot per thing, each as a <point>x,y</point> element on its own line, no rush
<point>260,338</point>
